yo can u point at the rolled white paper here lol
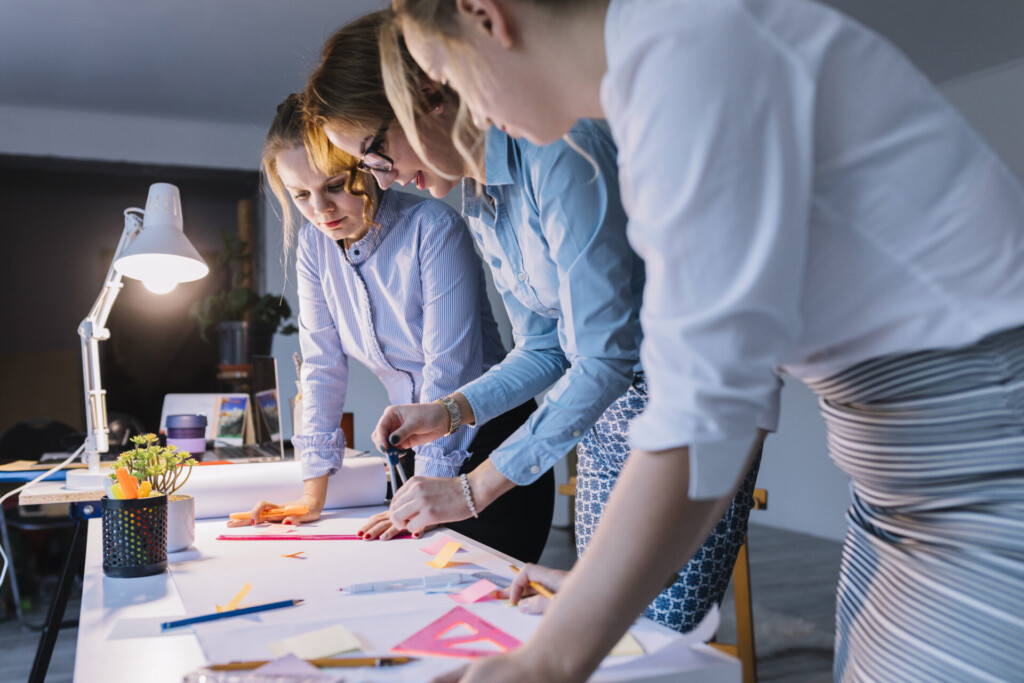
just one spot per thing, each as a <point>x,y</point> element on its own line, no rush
<point>220,490</point>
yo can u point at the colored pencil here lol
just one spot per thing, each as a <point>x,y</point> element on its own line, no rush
<point>536,586</point>
<point>230,613</point>
<point>322,663</point>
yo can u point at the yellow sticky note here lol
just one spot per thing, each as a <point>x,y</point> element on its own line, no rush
<point>628,645</point>
<point>236,600</point>
<point>444,557</point>
<point>323,643</point>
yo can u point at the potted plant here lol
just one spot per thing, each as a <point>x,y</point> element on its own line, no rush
<point>246,321</point>
<point>163,469</point>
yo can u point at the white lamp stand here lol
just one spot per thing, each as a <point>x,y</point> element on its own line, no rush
<point>154,249</point>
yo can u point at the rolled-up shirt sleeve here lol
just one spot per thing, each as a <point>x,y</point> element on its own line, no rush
<point>588,347</point>
<point>716,174</point>
<point>324,373</point>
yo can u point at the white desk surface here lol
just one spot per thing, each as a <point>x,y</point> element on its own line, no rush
<point>119,638</point>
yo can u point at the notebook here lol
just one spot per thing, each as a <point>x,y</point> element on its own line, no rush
<point>265,406</point>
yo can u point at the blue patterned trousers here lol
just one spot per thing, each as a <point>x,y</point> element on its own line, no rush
<point>702,582</point>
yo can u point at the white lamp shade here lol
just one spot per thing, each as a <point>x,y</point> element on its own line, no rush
<point>161,253</point>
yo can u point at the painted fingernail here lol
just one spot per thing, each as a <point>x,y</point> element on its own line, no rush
<point>287,521</point>
<point>416,535</point>
<point>393,439</point>
<point>359,534</point>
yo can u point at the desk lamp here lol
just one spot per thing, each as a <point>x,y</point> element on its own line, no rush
<point>154,249</point>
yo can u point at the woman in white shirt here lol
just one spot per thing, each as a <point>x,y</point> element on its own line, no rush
<point>390,280</point>
<point>804,201</point>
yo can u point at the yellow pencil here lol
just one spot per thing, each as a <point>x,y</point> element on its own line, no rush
<point>536,586</point>
<point>321,663</point>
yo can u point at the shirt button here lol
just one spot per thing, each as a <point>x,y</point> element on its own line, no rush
<point>355,252</point>
<point>552,311</point>
<point>522,277</point>
<point>576,432</point>
<point>534,470</point>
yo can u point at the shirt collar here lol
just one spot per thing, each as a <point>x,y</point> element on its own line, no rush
<point>498,158</point>
<point>361,250</point>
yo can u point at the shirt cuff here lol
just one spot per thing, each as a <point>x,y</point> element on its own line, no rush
<point>321,453</point>
<point>432,461</point>
<point>518,463</point>
<point>715,466</point>
<point>477,393</point>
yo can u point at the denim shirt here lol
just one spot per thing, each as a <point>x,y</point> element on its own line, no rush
<point>552,229</point>
<point>408,301</point>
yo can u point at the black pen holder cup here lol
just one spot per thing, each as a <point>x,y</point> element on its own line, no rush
<point>134,536</point>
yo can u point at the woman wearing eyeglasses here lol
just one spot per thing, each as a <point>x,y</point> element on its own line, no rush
<point>549,223</point>
<point>392,281</point>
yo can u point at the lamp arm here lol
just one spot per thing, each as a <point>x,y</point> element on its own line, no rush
<point>93,330</point>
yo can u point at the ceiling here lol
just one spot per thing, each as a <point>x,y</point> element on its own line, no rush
<point>232,61</point>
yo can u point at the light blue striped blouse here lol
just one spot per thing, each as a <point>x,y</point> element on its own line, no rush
<point>408,301</point>
<point>553,231</point>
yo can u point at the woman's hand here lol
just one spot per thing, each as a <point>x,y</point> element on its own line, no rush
<point>425,501</point>
<point>520,588</point>
<point>380,526</point>
<point>519,665</point>
<point>314,494</point>
<point>410,425</point>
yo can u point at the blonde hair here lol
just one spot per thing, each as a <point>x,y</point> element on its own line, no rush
<point>404,83</point>
<point>287,132</point>
<point>438,17</point>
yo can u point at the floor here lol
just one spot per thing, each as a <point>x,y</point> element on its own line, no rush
<point>793,580</point>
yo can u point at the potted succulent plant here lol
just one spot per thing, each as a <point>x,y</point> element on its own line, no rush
<point>246,321</point>
<point>162,469</point>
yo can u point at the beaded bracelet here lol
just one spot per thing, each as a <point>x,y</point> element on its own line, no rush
<point>467,494</point>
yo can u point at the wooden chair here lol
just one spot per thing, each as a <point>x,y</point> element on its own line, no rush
<point>743,649</point>
<point>347,429</point>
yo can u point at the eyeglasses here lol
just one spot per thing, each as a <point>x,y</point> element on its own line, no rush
<point>373,161</point>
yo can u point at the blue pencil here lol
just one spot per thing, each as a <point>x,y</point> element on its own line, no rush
<point>230,613</point>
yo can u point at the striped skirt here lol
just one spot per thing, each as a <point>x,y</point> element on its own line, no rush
<point>932,580</point>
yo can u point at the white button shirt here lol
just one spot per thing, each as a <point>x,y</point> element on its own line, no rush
<point>803,199</point>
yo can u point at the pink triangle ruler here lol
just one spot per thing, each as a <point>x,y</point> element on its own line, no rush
<point>454,635</point>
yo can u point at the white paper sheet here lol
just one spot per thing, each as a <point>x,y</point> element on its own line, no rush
<point>220,490</point>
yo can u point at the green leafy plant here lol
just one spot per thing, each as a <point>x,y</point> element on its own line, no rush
<point>161,466</point>
<point>267,311</point>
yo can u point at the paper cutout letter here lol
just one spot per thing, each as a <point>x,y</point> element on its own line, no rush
<point>235,600</point>
<point>439,543</point>
<point>458,633</point>
<point>445,556</point>
<point>478,591</point>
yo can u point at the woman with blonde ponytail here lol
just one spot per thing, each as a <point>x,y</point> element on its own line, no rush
<point>387,279</point>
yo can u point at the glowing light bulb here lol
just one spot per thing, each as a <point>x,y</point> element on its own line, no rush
<point>159,285</point>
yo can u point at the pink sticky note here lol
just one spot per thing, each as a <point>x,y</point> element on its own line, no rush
<point>474,593</point>
<point>439,543</point>
<point>445,556</point>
